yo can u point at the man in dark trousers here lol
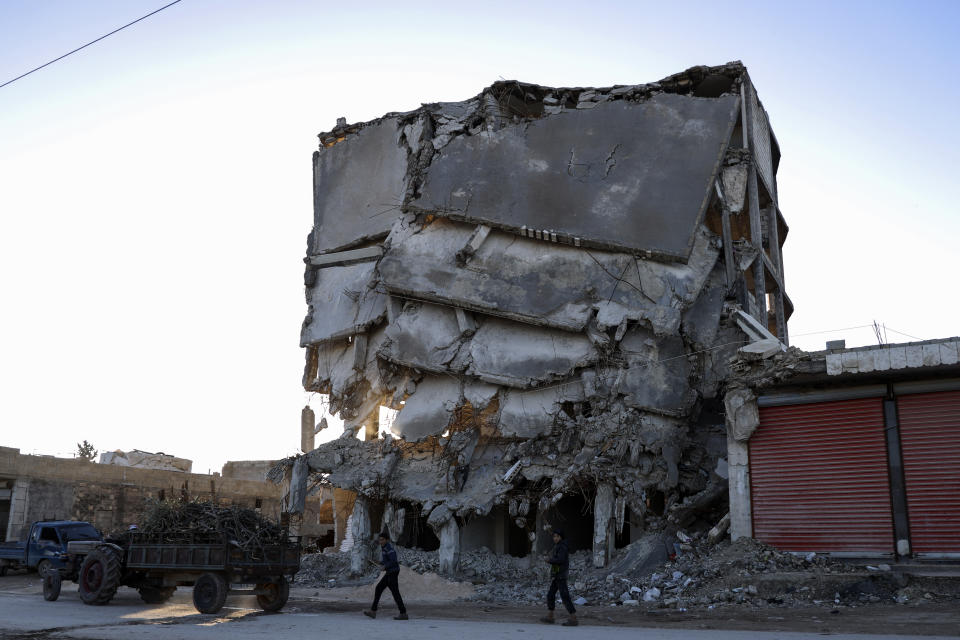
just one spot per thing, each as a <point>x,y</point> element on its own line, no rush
<point>559,560</point>
<point>388,558</point>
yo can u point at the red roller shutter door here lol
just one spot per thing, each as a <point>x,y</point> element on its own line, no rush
<point>930,441</point>
<point>819,478</point>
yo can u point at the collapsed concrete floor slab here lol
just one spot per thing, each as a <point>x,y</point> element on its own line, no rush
<point>549,299</point>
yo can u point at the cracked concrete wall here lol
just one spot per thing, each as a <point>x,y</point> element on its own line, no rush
<point>549,304</point>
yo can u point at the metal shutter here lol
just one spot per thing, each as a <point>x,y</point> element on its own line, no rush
<point>819,478</point>
<point>930,440</point>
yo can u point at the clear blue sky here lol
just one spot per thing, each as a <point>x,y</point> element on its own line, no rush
<point>155,188</point>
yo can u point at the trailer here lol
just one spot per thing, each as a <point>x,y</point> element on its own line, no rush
<point>156,568</point>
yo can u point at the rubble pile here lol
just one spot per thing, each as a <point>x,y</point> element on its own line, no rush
<point>698,575</point>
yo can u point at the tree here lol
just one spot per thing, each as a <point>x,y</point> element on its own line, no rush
<point>86,451</point>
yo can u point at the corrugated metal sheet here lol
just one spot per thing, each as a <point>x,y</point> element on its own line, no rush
<point>819,478</point>
<point>930,440</point>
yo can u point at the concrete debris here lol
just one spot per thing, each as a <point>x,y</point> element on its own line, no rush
<point>700,575</point>
<point>743,415</point>
<point>550,286</point>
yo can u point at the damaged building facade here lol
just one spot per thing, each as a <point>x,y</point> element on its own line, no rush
<point>547,285</point>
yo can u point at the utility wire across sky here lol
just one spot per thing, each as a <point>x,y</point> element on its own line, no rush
<point>47,64</point>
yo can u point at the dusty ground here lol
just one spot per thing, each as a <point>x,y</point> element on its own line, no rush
<point>24,614</point>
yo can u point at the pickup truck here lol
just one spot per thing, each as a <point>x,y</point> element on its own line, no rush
<point>46,546</point>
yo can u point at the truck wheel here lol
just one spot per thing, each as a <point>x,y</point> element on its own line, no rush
<point>3,570</point>
<point>279,593</point>
<point>156,595</point>
<point>51,585</point>
<point>209,593</point>
<point>99,576</point>
<point>43,567</point>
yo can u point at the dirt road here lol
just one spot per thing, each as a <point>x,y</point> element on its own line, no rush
<point>316,614</point>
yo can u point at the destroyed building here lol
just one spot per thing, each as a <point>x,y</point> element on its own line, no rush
<point>547,285</point>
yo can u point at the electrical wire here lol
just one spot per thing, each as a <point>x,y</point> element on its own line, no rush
<point>901,333</point>
<point>47,64</point>
<point>813,333</point>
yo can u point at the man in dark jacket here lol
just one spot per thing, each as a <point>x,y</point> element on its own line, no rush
<point>559,560</point>
<point>391,564</point>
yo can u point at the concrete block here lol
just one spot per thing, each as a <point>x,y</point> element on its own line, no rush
<point>657,374</point>
<point>834,364</point>
<point>949,352</point>
<point>850,361</point>
<point>931,355</point>
<point>763,348</point>
<point>516,355</point>
<point>428,411</point>
<point>914,355</point>
<point>881,359</point>
<point>701,321</point>
<point>423,336</point>
<point>527,414</point>
<point>343,303</point>
<point>865,360</point>
<point>898,357</point>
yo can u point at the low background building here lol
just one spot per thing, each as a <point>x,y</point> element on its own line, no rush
<point>849,451</point>
<point>112,496</point>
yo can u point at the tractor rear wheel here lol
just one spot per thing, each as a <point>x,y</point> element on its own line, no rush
<point>279,592</point>
<point>209,593</point>
<point>99,576</point>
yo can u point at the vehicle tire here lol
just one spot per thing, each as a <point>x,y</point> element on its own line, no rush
<point>209,593</point>
<point>156,595</point>
<point>279,593</point>
<point>99,576</point>
<point>3,570</point>
<point>43,567</point>
<point>51,585</point>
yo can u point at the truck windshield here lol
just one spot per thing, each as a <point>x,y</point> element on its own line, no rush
<point>82,531</point>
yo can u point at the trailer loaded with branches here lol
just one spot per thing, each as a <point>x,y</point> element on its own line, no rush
<point>216,550</point>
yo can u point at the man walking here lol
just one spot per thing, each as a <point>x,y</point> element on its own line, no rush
<point>388,558</point>
<point>559,560</point>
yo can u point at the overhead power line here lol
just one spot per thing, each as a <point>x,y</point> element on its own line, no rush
<point>47,64</point>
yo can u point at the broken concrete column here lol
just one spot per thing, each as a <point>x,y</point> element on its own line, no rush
<point>449,547</point>
<point>743,415</point>
<point>297,495</point>
<point>603,520</point>
<point>360,553</point>
<point>393,520</point>
<point>307,427</point>
<point>743,418</point>
<point>738,467</point>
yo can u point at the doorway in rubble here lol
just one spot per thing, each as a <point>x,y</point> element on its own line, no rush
<point>417,534</point>
<point>574,515</point>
